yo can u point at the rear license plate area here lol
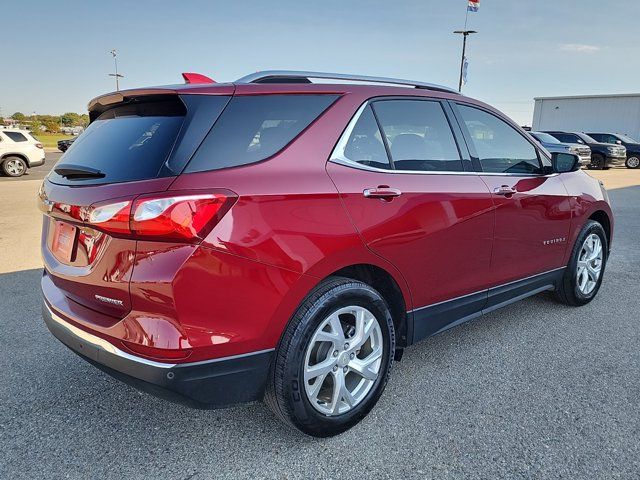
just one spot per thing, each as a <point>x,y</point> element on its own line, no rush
<point>64,241</point>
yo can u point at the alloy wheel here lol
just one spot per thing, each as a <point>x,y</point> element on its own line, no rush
<point>589,264</point>
<point>343,360</point>
<point>633,162</point>
<point>14,167</point>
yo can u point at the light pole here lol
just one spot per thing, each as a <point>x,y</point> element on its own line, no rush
<point>465,34</point>
<point>117,75</point>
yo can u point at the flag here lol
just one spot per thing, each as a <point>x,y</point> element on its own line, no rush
<point>473,5</point>
<point>465,66</point>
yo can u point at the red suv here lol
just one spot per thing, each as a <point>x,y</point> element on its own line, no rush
<point>282,239</point>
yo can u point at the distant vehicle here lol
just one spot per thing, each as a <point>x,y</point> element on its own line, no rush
<point>63,145</point>
<point>632,146</point>
<point>19,151</point>
<point>552,144</point>
<point>603,155</point>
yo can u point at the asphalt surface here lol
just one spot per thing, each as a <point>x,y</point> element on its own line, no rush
<point>535,390</point>
<point>36,173</point>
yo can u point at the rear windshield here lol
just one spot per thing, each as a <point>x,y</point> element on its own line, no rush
<point>253,128</point>
<point>126,143</point>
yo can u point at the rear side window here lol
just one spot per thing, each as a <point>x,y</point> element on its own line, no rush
<point>500,148</point>
<point>15,136</point>
<point>128,142</point>
<point>255,127</point>
<point>364,145</point>
<point>418,135</point>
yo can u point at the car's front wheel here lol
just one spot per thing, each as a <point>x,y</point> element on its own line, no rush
<point>583,276</point>
<point>633,162</point>
<point>14,166</point>
<point>334,358</point>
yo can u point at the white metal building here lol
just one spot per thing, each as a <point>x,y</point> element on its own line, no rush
<point>589,113</point>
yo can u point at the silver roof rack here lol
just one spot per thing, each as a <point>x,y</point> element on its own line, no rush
<point>292,76</point>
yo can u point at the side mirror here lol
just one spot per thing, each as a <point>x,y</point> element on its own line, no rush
<point>565,162</point>
<point>619,142</point>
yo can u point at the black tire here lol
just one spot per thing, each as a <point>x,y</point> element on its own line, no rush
<point>9,162</point>
<point>633,161</point>
<point>286,394</point>
<point>568,291</point>
<point>597,162</point>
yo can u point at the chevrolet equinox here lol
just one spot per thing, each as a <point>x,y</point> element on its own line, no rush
<point>284,237</point>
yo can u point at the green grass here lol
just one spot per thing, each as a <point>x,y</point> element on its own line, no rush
<point>49,140</point>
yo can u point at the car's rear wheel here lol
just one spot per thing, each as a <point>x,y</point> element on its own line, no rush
<point>597,162</point>
<point>334,358</point>
<point>14,166</point>
<point>583,276</point>
<point>633,162</point>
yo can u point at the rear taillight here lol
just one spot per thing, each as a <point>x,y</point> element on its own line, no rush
<point>39,145</point>
<point>184,216</point>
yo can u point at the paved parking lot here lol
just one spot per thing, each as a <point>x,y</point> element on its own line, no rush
<point>536,390</point>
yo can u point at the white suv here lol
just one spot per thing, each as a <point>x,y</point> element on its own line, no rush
<point>19,150</point>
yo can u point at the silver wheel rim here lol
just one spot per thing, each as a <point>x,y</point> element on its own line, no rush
<point>15,167</point>
<point>343,360</point>
<point>633,162</point>
<point>589,264</point>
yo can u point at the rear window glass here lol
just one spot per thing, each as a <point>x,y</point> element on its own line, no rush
<point>15,136</point>
<point>126,143</point>
<point>253,128</point>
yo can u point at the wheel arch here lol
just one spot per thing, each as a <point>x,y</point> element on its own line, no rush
<point>14,154</point>
<point>383,281</point>
<point>360,264</point>
<point>603,219</point>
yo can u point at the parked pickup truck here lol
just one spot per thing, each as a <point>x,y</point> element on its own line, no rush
<point>552,144</point>
<point>603,155</point>
<point>632,146</point>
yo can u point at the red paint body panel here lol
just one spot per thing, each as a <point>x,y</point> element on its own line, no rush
<point>297,220</point>
<point>531,227</point>
<point>438,232</point>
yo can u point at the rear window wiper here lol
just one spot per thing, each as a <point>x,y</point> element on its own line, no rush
<point>68,170</point>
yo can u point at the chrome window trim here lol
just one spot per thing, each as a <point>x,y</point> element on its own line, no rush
<point>337,155</point>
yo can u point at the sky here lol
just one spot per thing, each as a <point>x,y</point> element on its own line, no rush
<point>55,54</point>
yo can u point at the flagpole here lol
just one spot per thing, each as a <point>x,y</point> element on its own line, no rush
<point>466,17</point>
<point>465,33</point>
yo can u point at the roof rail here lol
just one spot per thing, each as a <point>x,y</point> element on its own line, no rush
<point>292,76</point>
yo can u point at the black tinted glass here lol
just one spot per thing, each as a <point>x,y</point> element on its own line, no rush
<point>600,137</point>
<point>500,148</point>
<point>15,136</point>
<point>566,137</point>
<point>418,135</point>
<point>364,145</point>
<point>253,128</point>
<point>126,143</point>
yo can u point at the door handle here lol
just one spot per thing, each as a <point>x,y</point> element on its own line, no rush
<point>382,191</point>
<point>504,190</point>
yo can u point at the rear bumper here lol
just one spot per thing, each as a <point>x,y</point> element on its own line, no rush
<point>207,384</point>
<point>36,163</point>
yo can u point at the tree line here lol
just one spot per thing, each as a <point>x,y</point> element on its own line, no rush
<point>51,123</point>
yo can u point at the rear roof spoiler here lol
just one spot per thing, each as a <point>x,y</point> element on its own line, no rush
<point>196,78</point>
